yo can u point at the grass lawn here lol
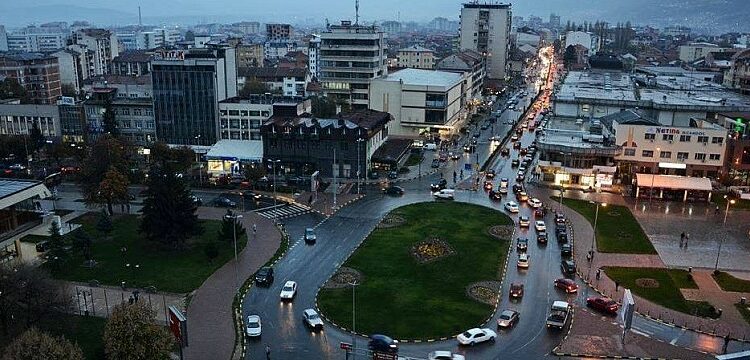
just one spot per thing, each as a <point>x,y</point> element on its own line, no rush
<point>728,282</point>
<point>177,271</point>
<point>617,230</point>
<point>667,293</point>
<point>406,299</point>
<point>682,279</point>
<point>744,310</point>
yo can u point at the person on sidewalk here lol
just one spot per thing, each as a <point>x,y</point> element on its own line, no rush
<point>268,352</point>
<point>617,286</point>
<point>598,273</point>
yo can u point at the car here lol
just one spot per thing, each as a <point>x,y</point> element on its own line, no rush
<point>541,237</point>
<point>289,291</point>
<point>517,145</point>
<point>444,355</point>
<point>516,290</point>
<point>566,250</point>
<point>504,151</point>
<point>393,190</point>
<point>568,267</point>
<point>383,344</point>
<point>223,201</point>
<point>522,244</point>
<point>559,219</point>
<point>443,157</point>
<point>440,185</point>
<point>488,185</point>
<point>562,237</point>
<point>310,237</point>
<point>490,173</point>
<point>507,318</point>
<point>522,168</point>
<point>514,138</point>
<point>566,284</point>
<point>523,261</point>
<point>476,336</point>
<point>539,212</point>
<point>467,148</point>
<point>455,156</point>
<point>311,318</point>
<point>511,206</point>
<point>535,203</point>
<point>603,304</point>
<point>540,226</point>
<point>514,163</point>
<point>435,163</point>
<point>373,175</point>
<point>264,276</point>
<point>522,196</point>
<point>503,190</point>
<point>476,135</point>
<point>253,328</point>
<point>393,175</point>
<point>523,221</point>
<point>446,194</point>
<point>517,188</point>
<point>485,126</point>
<point>504,182</point>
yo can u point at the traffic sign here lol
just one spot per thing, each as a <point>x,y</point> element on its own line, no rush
<point>467,167</point>
<point>345,346</point>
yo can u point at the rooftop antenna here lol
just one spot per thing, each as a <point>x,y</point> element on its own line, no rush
<point>356,12</point>
<point>140,20</point>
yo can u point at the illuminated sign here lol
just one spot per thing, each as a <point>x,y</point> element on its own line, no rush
<point>170,55</point>
<point>667,165</point>
<point>674,131</point>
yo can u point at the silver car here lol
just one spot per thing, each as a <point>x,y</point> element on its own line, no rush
<point>507,318</point>
<point>312,319</point>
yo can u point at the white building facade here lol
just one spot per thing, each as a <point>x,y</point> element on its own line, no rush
<point>485,28</point>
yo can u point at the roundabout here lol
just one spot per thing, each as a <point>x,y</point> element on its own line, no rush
<point>415,276</point>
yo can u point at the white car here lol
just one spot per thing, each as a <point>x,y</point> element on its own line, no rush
<point>523,260</point>
<point>504,182</point>
<point>444,355</point>
<point>444,194</point>
<point>312,319</point>
<point>476,336</point>
<point>289,291</point>
<point>540,226</point>
<point>503,190</point>
<point>535,203</point>
<point>511,206</point>
<point>253,327</point>
<point>523,221</point>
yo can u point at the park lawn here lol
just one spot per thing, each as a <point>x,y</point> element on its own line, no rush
<point>744,310</point>
<point>682,279</point>
<point>408,300</point>
<point>667,294</point>
<point>727,282</point>
<point>617,230</point>
<point>177,271</point>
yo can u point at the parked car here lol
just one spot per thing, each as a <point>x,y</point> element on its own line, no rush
<point>562,237</point>
<point>568,267</point>
<point>559,219</point>
<point>382,343</point>
<point>507,318</point>
<point>446,194</point>
<point>523,221</point>
<point>223,201</point>
<point>373,175</point>
<point>310,237</point>
<point>444,355</point>
<point>522,244</point>
<point>523,261</point>
<point>516,290</point>
<point>264,276</point>
<point>289,291</point>
<point>603,304</point>
<point>566,284</point>
<point>540,226</point>
<point>566,250</point>
<point>312,319</point>
<point>511,206</point>
<point>393,190</point>
<point>515,163</point>
<point>476,336</point>
<point>253,327</point>
<point>196,200</point>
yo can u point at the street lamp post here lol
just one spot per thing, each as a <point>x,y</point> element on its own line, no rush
<point>653,176</point>
<point>721,240</point>
<point>273,168</point>
<point>593,235</point>
<point>359,171</point>
<point>726,211</point>
<point>234,218</point>
<point>354,284</point>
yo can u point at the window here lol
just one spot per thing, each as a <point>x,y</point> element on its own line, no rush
<point>254,113</point>
<point>243,112</point>
<point>665,155</point>
<point>682,156</point>
<point>715,157</point>
<point>700,156</point>
<point>647,153</point>
<point>649,136</point>
<point>667,137</point>
<point>629,152</point>
<point>684,138</point>
<point>702,139</point>
<point>265,113</point>
<point>717,140</point>
<point>234,113</point>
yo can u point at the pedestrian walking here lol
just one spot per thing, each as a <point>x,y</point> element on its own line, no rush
<point>682,238</point>
<point>588,256</point>
<point>268,352</point>
<point>617,286</point>
<point>687,238</point>
<point>255,228</point>
<point>716,211</point>
<point>598,274</point>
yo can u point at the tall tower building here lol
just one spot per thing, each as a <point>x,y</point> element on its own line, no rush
<point>485,28</point>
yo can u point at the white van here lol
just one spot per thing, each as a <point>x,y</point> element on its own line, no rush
<point>430,146</point>
<point>444,194</point>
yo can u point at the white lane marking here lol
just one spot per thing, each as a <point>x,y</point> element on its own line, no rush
<point>648,335</point>
<point>674,341</point>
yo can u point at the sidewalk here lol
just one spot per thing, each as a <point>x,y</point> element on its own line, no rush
<point>210,322</point>
<point>582,233</point>
<point>100,300</point>
<point>323,204</point>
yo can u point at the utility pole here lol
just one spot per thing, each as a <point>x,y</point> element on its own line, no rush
<point>335,171</point>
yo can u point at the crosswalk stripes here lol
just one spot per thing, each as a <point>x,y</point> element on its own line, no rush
<point>283,211</point>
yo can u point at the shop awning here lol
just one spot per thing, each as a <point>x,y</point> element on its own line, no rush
<point>673,182</point>
<point>236,150</point>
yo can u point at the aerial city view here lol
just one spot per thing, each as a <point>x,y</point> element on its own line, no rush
<point>385,180</point>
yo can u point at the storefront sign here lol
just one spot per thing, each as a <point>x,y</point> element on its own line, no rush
<point>674,131</point>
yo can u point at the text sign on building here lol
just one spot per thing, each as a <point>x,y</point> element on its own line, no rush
<point>170,55</point>
<point>674,131</point>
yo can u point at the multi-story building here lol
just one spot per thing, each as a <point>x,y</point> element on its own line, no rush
<point>391,27</point>
<point>474,67</point>
<point>35,42</point>
<point>72,121</point>
<point>188,85</point>
<point>554,21</point>
<point>130,98</point>
<point>3,39</point>
<point>278,31</point>
<point>146,40</point>
<point>72,67</point>
<point>250,55</point>
<point>39,75</point>
<point>278,48</point>
<point>286,81</point>
<point>738,75</point>
<point>695,51</point>
<point>313,56</point>
<point>247,27</point>
<point>416,57</point>
<point>104,45</point>
<point>351,55</point>
<point>303,145</point>
<point>485,28</point>
<point>132,63</point>
<point>19,119</point>
<point>588,40</point>
<point>420,101</point>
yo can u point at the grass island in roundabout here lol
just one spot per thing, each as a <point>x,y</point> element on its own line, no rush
<point>422,272</point>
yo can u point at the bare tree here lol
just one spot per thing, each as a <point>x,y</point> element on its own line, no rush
<point>28,296</point>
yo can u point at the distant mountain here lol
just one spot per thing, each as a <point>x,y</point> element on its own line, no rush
<point>12,15</point>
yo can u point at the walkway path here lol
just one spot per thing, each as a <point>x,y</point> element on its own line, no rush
<point>101,300</point>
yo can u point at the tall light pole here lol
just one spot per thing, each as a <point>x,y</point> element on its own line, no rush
<point>721,239</point>
<point>359,171</point>
<point>273,168</point>
<point>234,218</point>
<point>354,284</point>
<point>653,176</point>
<point>596,219</point>
<point>726,211</point>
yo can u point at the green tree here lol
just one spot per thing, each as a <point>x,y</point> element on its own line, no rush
<point>11,89</point>
<point>211,250</point>
<point>130,334</point>
<point>82,240</point>
<point>34,345</point>
<point>36,138</point>
<point>253,86</point>
<point>56,243</point>
<point>68,90</point>
<point>177,159</point>
<point>113,189</point>
<point>570,56</point>
<point>189,35</point>
<point>255,173</point>
<point>226,232</point>
<point>104,223</point>
<point>168,210</point>
<point>107,153</point>
<point>29,296</point>
<point>325,107</point>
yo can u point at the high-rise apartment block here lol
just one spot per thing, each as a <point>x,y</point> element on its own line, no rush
<point>485,28</point>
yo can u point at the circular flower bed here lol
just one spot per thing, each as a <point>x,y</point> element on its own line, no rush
<point>484,292</point>
<point>647,283</point>
<point>430,250</point>
<point>391,220</point>
<point>343,278</point>
<point>501,231</point>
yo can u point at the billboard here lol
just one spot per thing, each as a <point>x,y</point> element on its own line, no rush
<point>178,326</point>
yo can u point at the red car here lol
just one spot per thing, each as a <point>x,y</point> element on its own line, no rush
<point>516,290</point>
<point>603,304</point>
<point>568,285</point>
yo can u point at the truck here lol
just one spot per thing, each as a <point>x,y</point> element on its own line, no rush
<point>558,315</point>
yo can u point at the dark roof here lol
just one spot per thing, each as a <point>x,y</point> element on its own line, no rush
<point>96,32</point>
<point>25,56</point>
<point>392,151</point>
<point>133,56</point>
<point>366,119</point>
<point>267,72</point>
<point>119,79</point>
<point>628,117</point>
